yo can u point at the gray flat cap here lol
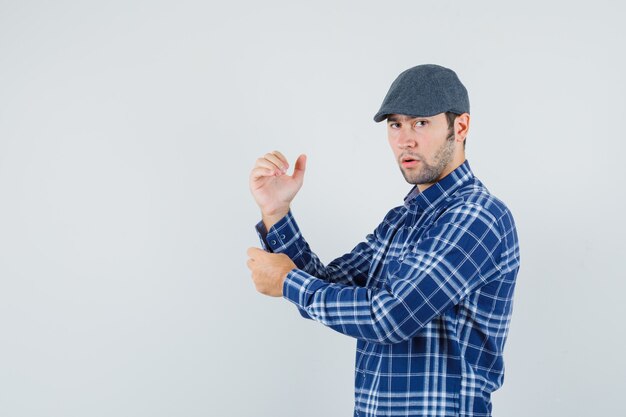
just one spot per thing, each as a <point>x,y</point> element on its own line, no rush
<point>425,90</point>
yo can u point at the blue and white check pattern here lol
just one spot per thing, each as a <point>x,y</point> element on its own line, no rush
<point>428,296</point>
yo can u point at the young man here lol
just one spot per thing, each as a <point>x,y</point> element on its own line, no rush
<point>428,295</point>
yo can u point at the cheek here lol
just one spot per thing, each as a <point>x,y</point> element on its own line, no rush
<point>395,150</point>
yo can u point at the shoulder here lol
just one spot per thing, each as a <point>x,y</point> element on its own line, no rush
<point>494,219</point>
<point>473,214</point>
<point>474,197</point>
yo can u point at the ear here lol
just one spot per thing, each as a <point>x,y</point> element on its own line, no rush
<point>461,126</point>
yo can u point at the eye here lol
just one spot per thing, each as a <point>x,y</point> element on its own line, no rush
<point>420,123</point>
<point>394,125</point>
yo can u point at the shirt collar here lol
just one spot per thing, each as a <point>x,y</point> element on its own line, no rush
<point>442,189</point>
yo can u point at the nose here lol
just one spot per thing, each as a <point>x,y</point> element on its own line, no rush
<point>406,139</point>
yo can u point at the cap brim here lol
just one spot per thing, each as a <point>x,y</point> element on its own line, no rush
<point>382,115</point>
<point>379,117</point>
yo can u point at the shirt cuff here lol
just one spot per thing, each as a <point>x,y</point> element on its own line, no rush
<point>280,236</point>
<point>262,232</point>
<point>299,286</point>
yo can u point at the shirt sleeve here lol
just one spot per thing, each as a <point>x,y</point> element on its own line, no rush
<point>457,255</point>
<point>351,269</point>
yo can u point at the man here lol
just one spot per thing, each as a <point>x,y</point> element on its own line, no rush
<point>428,295</point>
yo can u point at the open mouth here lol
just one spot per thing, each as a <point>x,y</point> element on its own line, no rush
<point>408,162</point>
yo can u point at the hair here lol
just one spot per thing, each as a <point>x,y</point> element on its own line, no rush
<point>451,117</point>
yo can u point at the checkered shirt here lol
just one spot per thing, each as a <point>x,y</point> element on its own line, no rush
<point>428,296</point>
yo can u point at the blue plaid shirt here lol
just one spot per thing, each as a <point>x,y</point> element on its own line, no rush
<point>428,296</point>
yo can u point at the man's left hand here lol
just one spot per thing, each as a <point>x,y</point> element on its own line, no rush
<point>269,271</point>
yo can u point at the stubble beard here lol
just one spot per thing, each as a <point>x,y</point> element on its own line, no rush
<point>430,173</point>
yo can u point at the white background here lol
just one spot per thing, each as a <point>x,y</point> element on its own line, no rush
<point>127,132</point>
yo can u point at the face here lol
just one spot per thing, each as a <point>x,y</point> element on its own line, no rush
<point>425,148</point>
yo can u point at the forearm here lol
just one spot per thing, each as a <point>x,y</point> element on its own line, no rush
<point>285,237</point>
<point>446,267</point>
<point>359,312</point>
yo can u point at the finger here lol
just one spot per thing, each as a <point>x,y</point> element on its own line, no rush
<point>276,161</point>
<point>250,264</point>
<point>254,253</point>
<point>282,158</point>
<point>266,163</point>
<point>261,172</point>
<point>298,172</point>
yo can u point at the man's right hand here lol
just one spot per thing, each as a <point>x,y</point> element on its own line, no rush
<point>272,189</point>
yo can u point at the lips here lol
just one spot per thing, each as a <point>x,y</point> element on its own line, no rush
<point>409,161</point>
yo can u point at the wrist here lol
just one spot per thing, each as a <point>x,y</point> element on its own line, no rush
<point>275,211</point>
<point>271,218</point>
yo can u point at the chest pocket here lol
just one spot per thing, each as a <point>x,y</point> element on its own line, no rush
<point>402,239</point>
<point>402,246</point>
<point>416,231</point>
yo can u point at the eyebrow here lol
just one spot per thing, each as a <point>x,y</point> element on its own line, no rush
<point>397,119</point>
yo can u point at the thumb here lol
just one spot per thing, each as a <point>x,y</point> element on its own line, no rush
<point>300,167</point>
<point>255,253</point>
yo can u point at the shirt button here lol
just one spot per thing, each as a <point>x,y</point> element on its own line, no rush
<point>282,237</point>
<point>273,242</point>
